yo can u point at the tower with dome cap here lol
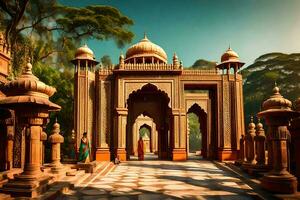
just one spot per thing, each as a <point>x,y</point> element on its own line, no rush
<point>84,92</point>
<point>144,84</point>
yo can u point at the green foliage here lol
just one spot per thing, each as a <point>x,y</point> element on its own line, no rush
<point>195,137</point>
<point>106,61</point>
<point>49,34</point>
<point>203,64</point>
<point>144,131</point>
<point>259,80</point>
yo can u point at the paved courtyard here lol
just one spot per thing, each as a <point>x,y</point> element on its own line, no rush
<point>164,180</point>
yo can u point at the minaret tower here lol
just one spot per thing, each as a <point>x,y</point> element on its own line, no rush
<point>84,93</point>
<point>232,105</point>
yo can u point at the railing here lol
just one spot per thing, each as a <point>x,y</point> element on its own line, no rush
<point>200,72</point>
<point>156,67</point>
<point>106,71</point>
<point>148,67</point>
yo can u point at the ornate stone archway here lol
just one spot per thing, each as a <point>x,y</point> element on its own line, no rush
<point>152,102</point>
<point>141,121</point>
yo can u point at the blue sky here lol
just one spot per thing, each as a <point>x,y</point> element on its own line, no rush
<point>204,28</point>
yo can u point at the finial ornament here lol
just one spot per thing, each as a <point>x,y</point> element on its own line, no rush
<point>251,118</point>
<point>28,68</point>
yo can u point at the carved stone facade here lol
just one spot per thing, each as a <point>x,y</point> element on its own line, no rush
<point>108,102</point>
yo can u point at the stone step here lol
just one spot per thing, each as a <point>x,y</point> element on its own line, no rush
<point>105,168</point>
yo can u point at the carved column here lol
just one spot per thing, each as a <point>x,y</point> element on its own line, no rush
<point>43,139</point>
<point>120,127</point>
<point>103,117</point>
<point>29,97</point>
<point>179,135</point>
<point>31,181</point>
<point>249,144</point>
<point>56,139</point>
<point>277,113</point>
<point>9,143</point>
<point>260,146</point>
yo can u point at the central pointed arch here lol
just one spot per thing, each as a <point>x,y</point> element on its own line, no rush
<point>152,102</point>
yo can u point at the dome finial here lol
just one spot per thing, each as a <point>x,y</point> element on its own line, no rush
<point>229,48</point>
<point>145,35</point>
<point>276,88</point>
<point>28,68</point>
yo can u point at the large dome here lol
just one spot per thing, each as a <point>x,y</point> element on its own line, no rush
<point>146,49</point>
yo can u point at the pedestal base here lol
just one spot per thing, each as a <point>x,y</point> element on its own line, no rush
<point>25,186</point>
<point>179,155</point>
<point>224,155</point>
<point>57,169</point>
<point>87,167</point>
<point>254,168</point>
<point>285,184</point>
<point>121,154</point>
<point>102,155</point>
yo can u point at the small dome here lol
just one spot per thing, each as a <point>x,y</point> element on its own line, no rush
<point>259,126</point>
<point>276,101</point>
<point>145,48</point>
<point>230,55</point>
<point>84,52</point>
<point>251,125</point>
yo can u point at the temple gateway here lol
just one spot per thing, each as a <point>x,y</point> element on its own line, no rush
<point>144,90</point>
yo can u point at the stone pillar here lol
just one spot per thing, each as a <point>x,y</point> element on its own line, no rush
<point>29,98</point>
<point>31,181</point>
<point>56,139</point>
<point>179,135</point>
<point>9,143</point>
<point>249,144</point>
<point>120,127</point>
<point>277,114</point>
<point>43,139</point>
<point>260,147</point>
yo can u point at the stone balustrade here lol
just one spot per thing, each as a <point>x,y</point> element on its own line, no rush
<point>200,72</point>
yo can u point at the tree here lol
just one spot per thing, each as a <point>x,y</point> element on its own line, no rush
<point>45,30</point>
<point>106,61</point>
<point>203,64</point>
<point>49,34</point>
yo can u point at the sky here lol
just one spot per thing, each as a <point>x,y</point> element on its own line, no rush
<point>203,29</point>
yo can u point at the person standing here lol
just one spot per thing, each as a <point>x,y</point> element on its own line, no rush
<point>141,149</point>
<point>84,149</point>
